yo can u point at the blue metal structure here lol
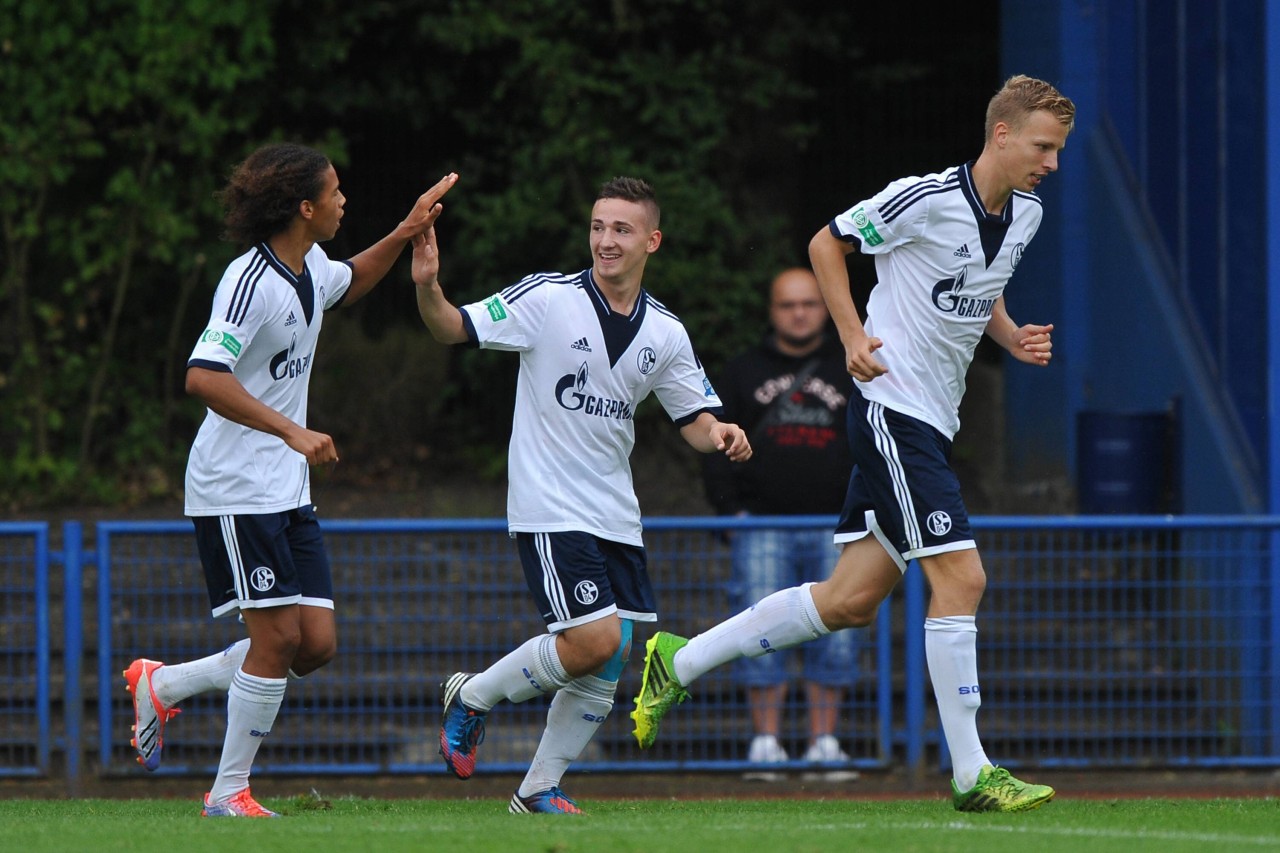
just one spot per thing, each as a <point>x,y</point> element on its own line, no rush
<point>1114,641</point>
<point>25,676</point>
<point>1157,256</point>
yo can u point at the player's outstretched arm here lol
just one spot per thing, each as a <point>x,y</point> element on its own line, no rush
<point>441,316</point>
<point>706,434</point>
<point>371,266</point>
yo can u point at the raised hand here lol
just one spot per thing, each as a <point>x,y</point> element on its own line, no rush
<point>427,207</point>
<point>426,258</point>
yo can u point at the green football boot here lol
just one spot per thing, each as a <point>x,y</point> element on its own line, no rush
<point>997,791</point>
<point>659,688</point>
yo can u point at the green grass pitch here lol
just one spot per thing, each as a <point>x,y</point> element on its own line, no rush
<point>644,826</point>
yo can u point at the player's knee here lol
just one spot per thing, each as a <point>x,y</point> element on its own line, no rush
<point>588,648</point>
<point>958,579</point>
<point>854,612</point>
<point>601,653</point>
<point>279,639</point>
<point>286,646</point>
<point>961,593</point>
<point>313,654</point>
<point>272,651</point>
<point>612,669</point>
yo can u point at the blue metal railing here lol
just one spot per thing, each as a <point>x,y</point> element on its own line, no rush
<point>25,678</point>
<point>1104,642</point>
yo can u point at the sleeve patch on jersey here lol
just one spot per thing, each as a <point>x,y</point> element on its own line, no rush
<point>866,228</point>
<point>496,311</point>
<point>228,342</point>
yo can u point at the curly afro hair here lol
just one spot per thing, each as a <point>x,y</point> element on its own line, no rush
<point>264,191</point>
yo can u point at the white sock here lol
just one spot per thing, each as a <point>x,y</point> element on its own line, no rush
<point>951,648</point>
<point>252,705</point>
<point>779,621</point>
<point>529,671</point>
<point>575,714</point>
<point>173,683</point>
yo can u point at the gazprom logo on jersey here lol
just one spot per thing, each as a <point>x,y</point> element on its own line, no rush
<point>285,366</point>
<point>866,228</point>
<point>226,341</point>
<point>947,298</point>
<point>571,394</point>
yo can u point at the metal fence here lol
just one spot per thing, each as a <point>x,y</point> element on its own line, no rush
<point>1104,642</point>
<point>25,647</point>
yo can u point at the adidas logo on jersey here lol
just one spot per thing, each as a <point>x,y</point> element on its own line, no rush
<point>291,320</point>
<point>962,252</point>
<point>581,343</point>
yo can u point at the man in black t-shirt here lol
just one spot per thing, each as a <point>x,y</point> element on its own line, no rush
<point>789,393</point>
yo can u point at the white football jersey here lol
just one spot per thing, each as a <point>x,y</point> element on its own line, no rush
<point>583,371</point>
<point>942,262</point>
<point>263,330</point>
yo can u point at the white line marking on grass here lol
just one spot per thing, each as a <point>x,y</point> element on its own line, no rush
<point>1077,832</point>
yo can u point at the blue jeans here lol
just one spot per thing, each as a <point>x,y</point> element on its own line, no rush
<point>767,560</point>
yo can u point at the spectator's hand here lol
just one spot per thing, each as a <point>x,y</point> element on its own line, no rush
<point>726,535</point>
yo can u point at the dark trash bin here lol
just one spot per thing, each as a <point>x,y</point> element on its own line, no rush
<point>1125,463</point>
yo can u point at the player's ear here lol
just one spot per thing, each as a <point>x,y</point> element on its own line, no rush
<point>655,240</point>
<point>1000,134</point>
<point>306,208</point>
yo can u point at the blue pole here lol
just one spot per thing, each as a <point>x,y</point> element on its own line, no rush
<point>104,643</point>
<point>43,643</point>
<point>884,679</point>
<point>1080,81</point>
<point>72,545</point>
<point>916,670</point>
<point>1271,64</point>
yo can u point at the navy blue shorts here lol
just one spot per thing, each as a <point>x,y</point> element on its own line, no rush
<point>903,490</point>
<point>577,578</point>
<point>264,560</point>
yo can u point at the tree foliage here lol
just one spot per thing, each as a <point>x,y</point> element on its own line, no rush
<point>119,118</point>
<point>116,117</point>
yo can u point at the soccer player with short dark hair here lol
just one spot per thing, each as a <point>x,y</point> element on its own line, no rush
<point>592,346</point>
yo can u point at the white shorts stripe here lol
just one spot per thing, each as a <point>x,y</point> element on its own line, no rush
<point>889,451</point>
<point>232,544</point>
<point>550,580</point>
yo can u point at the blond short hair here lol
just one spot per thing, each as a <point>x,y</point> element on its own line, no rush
<point>1021,96</point>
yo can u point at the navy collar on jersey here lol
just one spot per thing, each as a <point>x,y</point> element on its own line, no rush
<point>302,284</point>
<point>619,330</point>
<point>991,226</point>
